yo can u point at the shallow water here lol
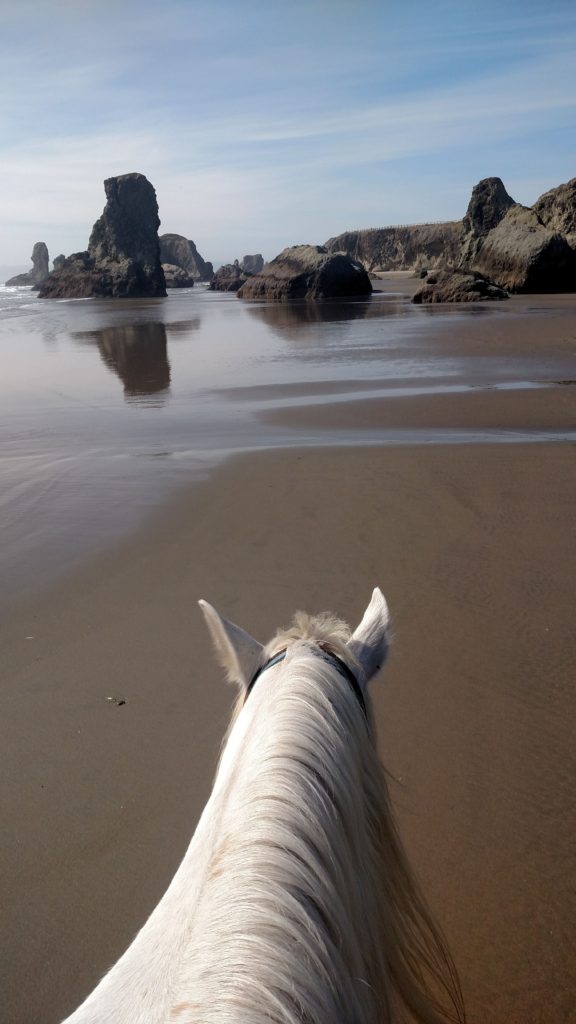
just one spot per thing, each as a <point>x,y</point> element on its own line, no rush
<point>105,406</point>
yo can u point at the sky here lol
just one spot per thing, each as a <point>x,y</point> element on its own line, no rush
<point>266,123</point>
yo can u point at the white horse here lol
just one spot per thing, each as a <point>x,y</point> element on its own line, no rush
<point>294,903</point>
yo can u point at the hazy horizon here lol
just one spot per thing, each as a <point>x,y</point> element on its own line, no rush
<point>266,126</point>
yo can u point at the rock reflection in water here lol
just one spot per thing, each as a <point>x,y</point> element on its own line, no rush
<point>293,318</point>
<point>139,355</point>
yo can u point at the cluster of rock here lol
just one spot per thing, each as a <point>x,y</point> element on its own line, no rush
<point>520,248</point>
<point>410,247</point>
<point>513,247</point>
<point>123,255</point>
<point>231,276</point>
<point>500,246</point>
<point>40,269</point>
<point>182,263</point>
<point>228,278</point>
<point>307,272</point>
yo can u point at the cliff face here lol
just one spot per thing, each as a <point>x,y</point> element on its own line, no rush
<point>123,256</point>
<point>411,247</point>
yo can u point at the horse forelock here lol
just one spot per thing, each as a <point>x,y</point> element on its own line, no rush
<point>326,631</point>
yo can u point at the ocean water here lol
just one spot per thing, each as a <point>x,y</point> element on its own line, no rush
<point>106,406</point>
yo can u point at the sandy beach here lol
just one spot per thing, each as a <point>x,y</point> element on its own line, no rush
<point>473,546</point>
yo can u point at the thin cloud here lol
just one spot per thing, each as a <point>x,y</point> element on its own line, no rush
<point>283,134</point>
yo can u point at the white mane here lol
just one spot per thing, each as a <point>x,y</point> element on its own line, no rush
<point>294,903</point>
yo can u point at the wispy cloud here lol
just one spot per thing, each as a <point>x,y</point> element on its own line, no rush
<point>260,125</point>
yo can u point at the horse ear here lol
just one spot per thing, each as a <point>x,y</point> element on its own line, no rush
<point>238,653</point>
<point>369,642</point>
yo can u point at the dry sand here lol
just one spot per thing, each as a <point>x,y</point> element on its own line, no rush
<point>474,548</point>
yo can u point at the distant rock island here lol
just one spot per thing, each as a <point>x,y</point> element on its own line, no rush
<point>252,264</point>
<point>231,276</point>
<point>228,278</point>
<point>123,255</point>
<point>180,252</point>
<point>513,247</point>
<point>39,272</point>
<point>307,272</point>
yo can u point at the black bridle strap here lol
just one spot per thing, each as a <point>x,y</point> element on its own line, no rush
<point>338,664</point>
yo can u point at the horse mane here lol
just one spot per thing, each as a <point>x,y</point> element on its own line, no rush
<point>308,899</point>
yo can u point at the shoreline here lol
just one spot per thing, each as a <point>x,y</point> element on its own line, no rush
<point>108,410</point>
<point>469,544</point>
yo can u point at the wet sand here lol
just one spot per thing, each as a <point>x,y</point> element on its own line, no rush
<point>543,409</point>
<point>474,548</point>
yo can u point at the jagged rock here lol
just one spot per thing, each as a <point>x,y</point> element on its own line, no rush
<point>39,272</point>
<point>557,210</point>
<point>228,278</point>
<point>521,255</point>
<point>58,261</point>
<point>123,256</point>
<point>176,277</point>
<point>252,264</point>
<point>410,247</point>
<point>458,286</point>
<point>307,272</point>
<point>182,252</point>
<point>488,204</point>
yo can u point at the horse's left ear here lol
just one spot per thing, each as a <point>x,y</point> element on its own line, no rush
<point>369,642</point>
<point>238,653</point>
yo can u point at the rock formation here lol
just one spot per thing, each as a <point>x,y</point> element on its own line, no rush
<point>401,248</point>
<point>176,277</point>
<point>123,256</point>
<point>58,261</point>
<point>458,286</point>
<point>557,210</point>
<point>488,204</point>
<point>228,278</point>
<point>252,264</point>
<point>521,255</point>
<point>39,272</point>
<point>181,252</point>
<point>307,272</point>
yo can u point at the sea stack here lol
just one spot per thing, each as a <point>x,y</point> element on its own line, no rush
<point>39,272</point>
<point>123,255</point>
<point>179,251</point>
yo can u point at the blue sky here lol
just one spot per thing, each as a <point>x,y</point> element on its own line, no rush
<point>264,124</point>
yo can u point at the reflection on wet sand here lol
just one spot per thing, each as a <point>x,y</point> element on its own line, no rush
<point>139,355</point>
<point>300,319</point>
<point>290,318</point>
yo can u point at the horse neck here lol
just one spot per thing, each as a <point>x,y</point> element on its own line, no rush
<point>285,927</point>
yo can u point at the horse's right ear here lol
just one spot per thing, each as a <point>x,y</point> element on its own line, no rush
<point>238,653</point>
<point>369,642</point>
